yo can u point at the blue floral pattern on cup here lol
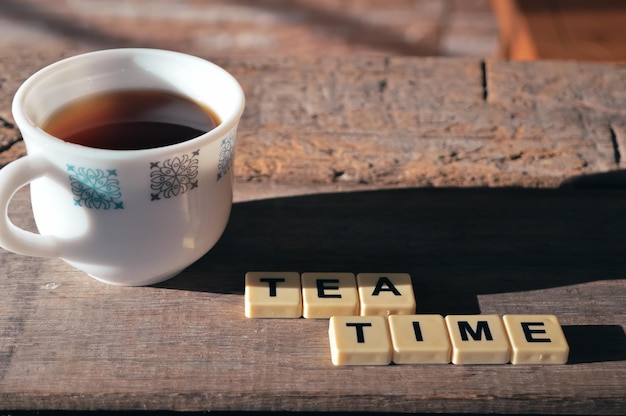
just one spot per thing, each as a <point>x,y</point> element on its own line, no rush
<point>175,176</point>
<point>95,188</point>
<point>227,153</point>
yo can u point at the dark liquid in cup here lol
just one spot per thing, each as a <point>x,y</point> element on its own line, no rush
<point>130,120</point>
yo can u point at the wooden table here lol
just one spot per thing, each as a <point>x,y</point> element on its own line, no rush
<point>496,185</point>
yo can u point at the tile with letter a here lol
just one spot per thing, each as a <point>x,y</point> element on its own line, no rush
<point>359,340</point>
<point>419,339</point>
<point>385,294</point>
<point>478,339</point>
<point>273,295</point>
<point>328,294</point>
<point>536,339</point>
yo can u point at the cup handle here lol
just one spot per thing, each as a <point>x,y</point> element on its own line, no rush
<point>14,176</point>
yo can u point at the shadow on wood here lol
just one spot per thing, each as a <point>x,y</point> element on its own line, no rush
<point>595,343</point>
<point>456,243</point>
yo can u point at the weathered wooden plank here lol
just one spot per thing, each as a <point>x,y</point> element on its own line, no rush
<point>329,27</point>
<point>425,122</point>
<point>70,342</point>
<point>364,123</point>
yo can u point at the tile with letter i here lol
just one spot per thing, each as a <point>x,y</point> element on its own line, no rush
<point>536,339</point>
<point>385,294</point>
<point>328,294</point>
<point>478,339</point>
<point>359,340</point>
<point>273,295</point>
<point>419,339</point>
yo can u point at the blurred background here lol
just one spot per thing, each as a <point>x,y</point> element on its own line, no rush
<point>517,29</point>
<point>266,27</point>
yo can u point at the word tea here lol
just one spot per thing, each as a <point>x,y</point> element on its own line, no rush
<point>372,321</point>
<point>322,295</point>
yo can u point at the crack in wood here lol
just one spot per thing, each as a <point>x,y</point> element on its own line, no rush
<point>9,145</point>
<point>7,141</point>
<point>382,85</point>
<point>6,123</point>
<point>483,70</point>
<point>337,174</point>
<point>616,151</point>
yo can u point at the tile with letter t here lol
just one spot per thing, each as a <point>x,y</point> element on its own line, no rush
<point>328,294</point>
<point>478,339</point>
<point>359,340</point>
<point>419,339</point>
<point>273,295</point>
<point>385,294</point>
<point>536,339</point>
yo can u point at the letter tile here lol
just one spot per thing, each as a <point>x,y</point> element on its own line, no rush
<point>359,340</point>
<point>273,295</point>
<point>536,339</point>
<point>419,339</point>
<point>385,294</point>
<point>478,339</point>
<point>328,294</point>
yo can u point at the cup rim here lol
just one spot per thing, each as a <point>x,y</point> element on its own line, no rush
<point>30,128</point>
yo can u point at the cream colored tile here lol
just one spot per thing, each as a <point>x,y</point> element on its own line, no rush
<point>359,340</point>
<point>273,295</point>
<point>385,294</point>
<point>419,339</point>
<point>328,294</point>
<point>536,339</point>
<point>478,339</point>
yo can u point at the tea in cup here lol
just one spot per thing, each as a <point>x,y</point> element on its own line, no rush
<point>129,161</point>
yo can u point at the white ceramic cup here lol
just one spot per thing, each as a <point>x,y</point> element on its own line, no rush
<point>125,217</point>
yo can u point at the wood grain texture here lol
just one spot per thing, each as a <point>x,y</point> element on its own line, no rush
<point>372,122</point>
<point>364,123</point>
<point>450,133</point>
<point>70,342</point>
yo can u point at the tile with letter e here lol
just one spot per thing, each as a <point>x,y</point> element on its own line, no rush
<point>359,340</point>
<point>328,294</point>
<point>273,295</point>
<point>536,339</point>
<point>385,294</point>
<point>419,339</point>
<point>478,339</point>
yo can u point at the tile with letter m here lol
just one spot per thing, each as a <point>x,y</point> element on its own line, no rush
<point>478,339</point>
